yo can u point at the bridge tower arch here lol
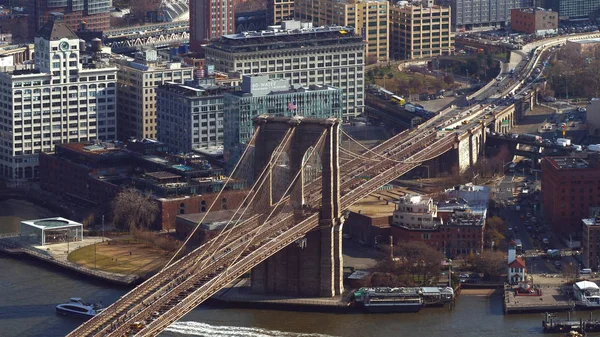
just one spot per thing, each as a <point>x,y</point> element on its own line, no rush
<point>314,266</point>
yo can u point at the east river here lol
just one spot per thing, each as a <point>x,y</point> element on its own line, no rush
<point>29,290</point>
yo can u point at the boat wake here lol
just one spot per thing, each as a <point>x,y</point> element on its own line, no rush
<point>203,329</point>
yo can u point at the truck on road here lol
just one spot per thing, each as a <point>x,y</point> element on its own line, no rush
<point>563,142</point>
<point>594,147</point>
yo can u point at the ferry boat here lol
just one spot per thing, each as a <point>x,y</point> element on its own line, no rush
<point>385,299</point>
<point>77,308</point>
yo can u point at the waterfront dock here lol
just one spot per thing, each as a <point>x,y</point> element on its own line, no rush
<point>239,294</point>
<point>553,325</point>
<point>551,300</point>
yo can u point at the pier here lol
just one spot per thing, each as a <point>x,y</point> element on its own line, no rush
<point>552,299</point>
<point>553,325</point>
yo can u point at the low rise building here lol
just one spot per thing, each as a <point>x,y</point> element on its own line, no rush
<point>593,117</point>
<point>138,79</point>
<point>415,211</point>
<point>261,95</point>
<point>537,21</point>
<point>418,30</point>
<point>460,234</point>
<point>585,47</point>
<point>591,243</point>
<point>570,186</point>
<point>190,115</point>
<point>94,173</point>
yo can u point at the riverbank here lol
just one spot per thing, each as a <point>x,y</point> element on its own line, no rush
<point>57,255</point>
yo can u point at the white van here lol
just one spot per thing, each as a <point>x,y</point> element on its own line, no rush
<point>585,271</point>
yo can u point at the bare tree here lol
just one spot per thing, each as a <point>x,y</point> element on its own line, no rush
<point>491,263</point>
<point>133,210</point>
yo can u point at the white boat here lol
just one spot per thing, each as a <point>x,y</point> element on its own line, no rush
<point>77,308</point>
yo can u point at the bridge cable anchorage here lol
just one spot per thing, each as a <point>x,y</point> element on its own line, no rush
<point>175,313</point>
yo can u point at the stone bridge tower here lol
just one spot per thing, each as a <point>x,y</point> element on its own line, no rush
<point>314,266</point>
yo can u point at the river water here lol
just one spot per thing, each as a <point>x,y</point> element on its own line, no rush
<point>29,290</point>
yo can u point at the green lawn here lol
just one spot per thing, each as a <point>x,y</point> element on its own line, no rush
<point>121,256</point>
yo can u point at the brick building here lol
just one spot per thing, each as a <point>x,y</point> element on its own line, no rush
<point>93,15</point>
<point>591,243</point>
<point>460,234</point>
<point>95,173</point>
<point>370,218</point>
<point>570,187</point>
<point>534,21</point>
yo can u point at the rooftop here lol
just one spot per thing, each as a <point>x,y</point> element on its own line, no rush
<point>51,223</point>
<point>55,30</point>
<point>210,217</point>
<point>587,41</point>
<point>532,10</point>
<point>568,163</point>
<point>378,204</point>
<point>591,221</point>
<point>517,263</point>
<point>276,39</point>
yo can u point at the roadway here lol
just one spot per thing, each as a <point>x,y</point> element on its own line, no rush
<point>172,293</point>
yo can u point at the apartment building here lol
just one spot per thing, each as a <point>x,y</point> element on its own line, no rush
<point>138,79</point>
<point>590,242</point>
<point>570,188</point>
<point>68,96</point>
<point>475,14</point>
<point>95,14</point>
<point>279,10</point>
<point>190,115</point>
<point>570,9</point>
<point>210,20</point>
<point>534,21</point>
<point>263,96</point>
<point>302,54</point>
<point>420,31</point>
<point>370,19</point>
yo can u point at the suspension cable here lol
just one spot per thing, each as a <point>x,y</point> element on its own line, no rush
<point>260,181</point>
<point>214,200</point>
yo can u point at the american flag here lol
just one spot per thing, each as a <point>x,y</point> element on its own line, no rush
<point>291,106</point>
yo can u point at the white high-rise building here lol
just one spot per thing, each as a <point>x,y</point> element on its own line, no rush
<point>67,96</point>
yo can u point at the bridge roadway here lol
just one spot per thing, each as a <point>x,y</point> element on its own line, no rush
<point>178,289</point>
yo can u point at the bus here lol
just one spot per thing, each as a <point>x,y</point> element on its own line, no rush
<point>398,99</point>
<point>519,246</point>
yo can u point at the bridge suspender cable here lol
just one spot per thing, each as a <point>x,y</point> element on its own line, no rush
<point>283,197</point>
<point>253,191</point>
<point>214,200</point>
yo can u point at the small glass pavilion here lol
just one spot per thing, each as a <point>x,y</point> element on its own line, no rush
<point>51,230</point>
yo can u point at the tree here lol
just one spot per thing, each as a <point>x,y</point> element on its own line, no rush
<point>491,263</point>
<point>416,84</point>
<point>449,79</point>
<point>133,210</point>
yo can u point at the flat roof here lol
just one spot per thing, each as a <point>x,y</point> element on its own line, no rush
<point>379,203</point>
<point>161,175</point>
<point>212,216</point>
<point>51,223</point>
<point>591,222</point>
<point>568,163</point>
